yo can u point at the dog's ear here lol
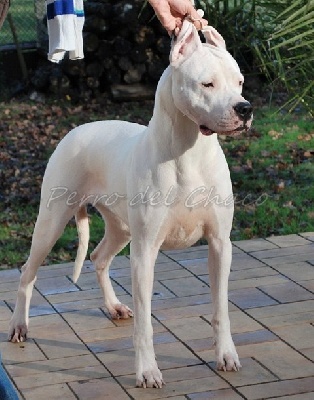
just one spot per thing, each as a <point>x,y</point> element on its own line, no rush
<point>184,44</point>
<point>213,37</point>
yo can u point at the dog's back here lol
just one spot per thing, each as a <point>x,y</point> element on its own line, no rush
<point>87,156</point>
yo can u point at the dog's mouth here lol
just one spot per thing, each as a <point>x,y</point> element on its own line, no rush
<point>207,131</point>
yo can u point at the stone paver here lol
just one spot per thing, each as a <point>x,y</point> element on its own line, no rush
<point>75,351</point>
<point>288,240</point>
<point>277,389</point>
<point>51,392</point>
<point>100,389</point>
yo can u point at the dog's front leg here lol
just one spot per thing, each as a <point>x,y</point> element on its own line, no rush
<point>143,257</point>
<point>219,258</point>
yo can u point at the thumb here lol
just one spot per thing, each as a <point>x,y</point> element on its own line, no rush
<point>199,22</point>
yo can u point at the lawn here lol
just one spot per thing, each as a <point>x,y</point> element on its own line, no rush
<point>272,176</point>
<point>272,171</point>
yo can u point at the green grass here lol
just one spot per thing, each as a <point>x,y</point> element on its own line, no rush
<point>24,19</point>
<point>274,163</point>
<point>277,167</point>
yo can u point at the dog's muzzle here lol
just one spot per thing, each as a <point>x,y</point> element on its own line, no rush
<point>207,132</point>
<point>244,112</point>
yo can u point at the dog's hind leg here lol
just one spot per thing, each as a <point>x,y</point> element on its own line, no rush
<point>48,228</point>
<point>116,237</point>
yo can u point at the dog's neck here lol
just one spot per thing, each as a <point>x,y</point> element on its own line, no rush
<point>177,134</point>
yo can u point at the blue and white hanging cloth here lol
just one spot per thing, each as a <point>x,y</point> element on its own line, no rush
<point>65,19</point>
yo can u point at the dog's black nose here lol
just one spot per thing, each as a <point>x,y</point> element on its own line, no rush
<point>244,110</point>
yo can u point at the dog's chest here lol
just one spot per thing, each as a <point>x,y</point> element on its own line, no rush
<point>183,227</point>
<point>197,209</point>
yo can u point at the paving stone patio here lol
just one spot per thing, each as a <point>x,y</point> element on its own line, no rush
<point>75,351</point>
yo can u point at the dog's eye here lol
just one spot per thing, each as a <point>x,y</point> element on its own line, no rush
<point>240,83</point>
<point>208,84</point>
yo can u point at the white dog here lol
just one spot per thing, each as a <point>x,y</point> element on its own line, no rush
<point>162,186</point>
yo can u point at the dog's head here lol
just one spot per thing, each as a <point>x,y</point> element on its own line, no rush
<point>207,83</point>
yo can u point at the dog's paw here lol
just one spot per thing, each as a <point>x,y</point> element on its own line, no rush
<point>227,358</point>
<point>150,379</point>
<point>17,333</point>
<point>229,362</point>
<point>120,311</point>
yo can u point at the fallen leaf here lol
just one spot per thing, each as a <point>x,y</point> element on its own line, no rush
<point>249,164</point>
<point>280,186</point>
<point>289,204</point>
<point>274,134</point>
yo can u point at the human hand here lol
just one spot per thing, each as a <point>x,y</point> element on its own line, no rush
<point>171,14</point>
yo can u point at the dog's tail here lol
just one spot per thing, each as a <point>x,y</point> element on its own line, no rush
<point>82,224</point>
